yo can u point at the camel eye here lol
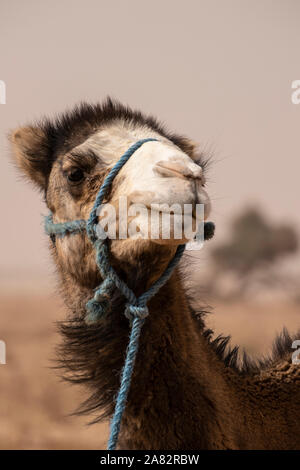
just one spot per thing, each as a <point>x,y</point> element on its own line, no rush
<point>75,176</point>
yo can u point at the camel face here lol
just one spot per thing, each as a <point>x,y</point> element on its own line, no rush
<point>158,176</point>
<point>69,160</point>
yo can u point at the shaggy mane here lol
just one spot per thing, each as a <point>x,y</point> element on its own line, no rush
<point>231,356</point>
<point>80,354</point>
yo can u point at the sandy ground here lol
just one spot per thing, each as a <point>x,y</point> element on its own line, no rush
<point>35,404</point>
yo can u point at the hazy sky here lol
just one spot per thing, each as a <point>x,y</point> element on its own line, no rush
<point>218,71</point>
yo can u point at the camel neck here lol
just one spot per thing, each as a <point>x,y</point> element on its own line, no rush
<point>177,387</point>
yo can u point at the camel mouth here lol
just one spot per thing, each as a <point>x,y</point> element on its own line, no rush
<point>175,223</point>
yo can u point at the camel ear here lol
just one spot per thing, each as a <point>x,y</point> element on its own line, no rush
<point>30,152</point>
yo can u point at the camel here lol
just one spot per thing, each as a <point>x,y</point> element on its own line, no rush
<point>188,391</point>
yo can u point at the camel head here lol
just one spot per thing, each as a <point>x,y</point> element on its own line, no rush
<point>69,158</point>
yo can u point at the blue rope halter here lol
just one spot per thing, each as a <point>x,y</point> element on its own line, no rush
<point>136,309</point>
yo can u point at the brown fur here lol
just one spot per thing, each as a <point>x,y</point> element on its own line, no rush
<point>187,392</point>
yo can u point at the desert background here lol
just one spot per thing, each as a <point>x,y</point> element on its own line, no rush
<point>218,71</point>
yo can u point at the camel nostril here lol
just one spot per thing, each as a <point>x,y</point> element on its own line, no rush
<point>179,169</point>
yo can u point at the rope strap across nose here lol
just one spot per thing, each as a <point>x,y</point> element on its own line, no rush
<point>136,309</point>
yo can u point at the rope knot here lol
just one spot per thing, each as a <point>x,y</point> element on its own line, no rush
<point>96,310</point>
<point>100,305</point>
<point>136,311</point>
<point>105,290</point>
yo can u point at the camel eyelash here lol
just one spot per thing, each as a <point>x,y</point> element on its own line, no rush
<point>85,160</point>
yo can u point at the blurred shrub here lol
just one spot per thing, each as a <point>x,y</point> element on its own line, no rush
<point>254,242</point>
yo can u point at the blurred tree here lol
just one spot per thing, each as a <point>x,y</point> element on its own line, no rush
<point>254,243</point>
